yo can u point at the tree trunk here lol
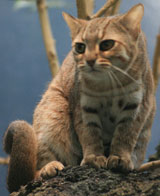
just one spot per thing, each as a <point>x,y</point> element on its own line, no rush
<point>85,181</point>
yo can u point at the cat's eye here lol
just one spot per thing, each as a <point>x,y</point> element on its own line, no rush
<point>80,48</point>
<point>106,45</point>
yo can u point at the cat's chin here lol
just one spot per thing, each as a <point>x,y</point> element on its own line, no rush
<point>92,74</point>
<point>95,78</point>
<point>91,71</point>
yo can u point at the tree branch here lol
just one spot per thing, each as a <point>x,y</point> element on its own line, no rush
<point>113,9</point>
<point>85,8</point>
<point>4,161</point>
<point>82,9</point>
<point>89,181</point>
<point>90,7</point>
<point>48,37</point>
<point>105,8</point>
<point>149,166</point>
<point>156,62</point>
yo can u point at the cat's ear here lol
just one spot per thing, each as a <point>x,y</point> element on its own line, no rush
<point>132,19</point>
<point>73,23</point>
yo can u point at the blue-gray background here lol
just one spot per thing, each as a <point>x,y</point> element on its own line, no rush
<point>24,72</point>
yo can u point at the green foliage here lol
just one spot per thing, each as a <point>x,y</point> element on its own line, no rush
<point>20,4</point>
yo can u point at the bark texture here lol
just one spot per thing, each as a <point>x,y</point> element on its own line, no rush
<point>86,181</point>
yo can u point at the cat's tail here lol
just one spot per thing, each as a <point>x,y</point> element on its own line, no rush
<point>20,142</point>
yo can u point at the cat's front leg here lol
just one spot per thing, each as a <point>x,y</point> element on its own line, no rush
<point>120,162</point>
<point>122,146</point>
<point>90,137</point>
<point>92,146</point>
<point>124,141</point>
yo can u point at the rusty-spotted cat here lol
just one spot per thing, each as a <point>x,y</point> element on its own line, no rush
<point>99,108</point>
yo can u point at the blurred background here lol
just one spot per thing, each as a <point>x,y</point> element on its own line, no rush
<point>24,70</point>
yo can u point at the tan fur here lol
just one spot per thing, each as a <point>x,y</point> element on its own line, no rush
<point>99,108</point>
<point>20,142</point>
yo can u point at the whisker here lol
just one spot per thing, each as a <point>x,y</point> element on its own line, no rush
<point>126,74</point>
<point>118,81</point>
<point>112,82</point>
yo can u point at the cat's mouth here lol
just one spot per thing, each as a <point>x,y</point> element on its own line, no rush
<point>100,67</point>
<point>89,69</point>
<point>106,65</point>
<point>97,68</point>
<point>93,70</point>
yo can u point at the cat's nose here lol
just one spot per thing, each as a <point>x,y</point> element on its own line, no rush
<point>91,62</point>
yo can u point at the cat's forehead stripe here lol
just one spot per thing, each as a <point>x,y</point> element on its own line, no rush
<point>95,29</point>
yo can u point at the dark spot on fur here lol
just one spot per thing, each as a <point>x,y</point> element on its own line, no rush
<point>112,119</point>
<point>131,106</point>
<point>93,124</point>
<point>124,120</point>
<point>90,110</point>
<point>120,103</point>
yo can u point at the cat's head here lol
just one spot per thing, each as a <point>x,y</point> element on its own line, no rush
<point>103,43</point>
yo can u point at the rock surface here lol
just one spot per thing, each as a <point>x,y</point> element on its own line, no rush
<point>86,181</point>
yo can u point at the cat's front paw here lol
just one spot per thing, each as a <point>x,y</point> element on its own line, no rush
<point>50,170</point>
<point>117,163</point>
<point>95,161</point>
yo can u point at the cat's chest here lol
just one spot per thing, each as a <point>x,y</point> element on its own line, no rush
<point>108,111</point>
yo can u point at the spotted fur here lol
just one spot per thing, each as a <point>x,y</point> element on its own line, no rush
<point>99,108</point>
